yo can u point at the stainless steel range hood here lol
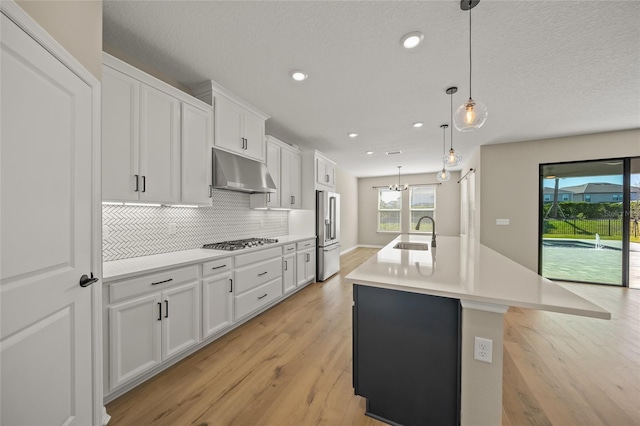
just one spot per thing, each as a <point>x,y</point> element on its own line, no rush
<point>241,174</point>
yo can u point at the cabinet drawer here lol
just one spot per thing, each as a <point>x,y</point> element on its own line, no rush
<point>257,256</point>
<point>258,297</point>
<point>289,248</point>
<point>253,276</point>
<point>153,282</point>
<point>217,266</point>
<point>302,245</point>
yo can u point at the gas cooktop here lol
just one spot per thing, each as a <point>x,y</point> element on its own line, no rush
<point>240,244</point>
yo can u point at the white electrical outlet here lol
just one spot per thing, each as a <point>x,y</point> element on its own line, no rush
<point>502,222</point>
<point>483,349</point>
<point>172,228</point>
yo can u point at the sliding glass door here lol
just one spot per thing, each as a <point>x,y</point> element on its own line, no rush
<point>583,234</point>
<point>634,223</point>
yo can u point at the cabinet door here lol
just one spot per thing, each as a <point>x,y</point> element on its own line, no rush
<point>294,178</point>
<point>134,338</point>
<point>330,171</point>
<point>273,165</point>
<point>254,136</point>
<point>159,146</point>
<point>302,260</point>
<point>119,136</point>
<point>285,178</point>
<point>217,304</point>
<point>197,139</point>
<point>311,266</point>
<point>289,272</point>
<point>181,318</point>
<point>321,175</point>
<point>228,125</point>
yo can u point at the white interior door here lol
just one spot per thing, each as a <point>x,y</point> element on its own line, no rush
<point>45,215</point>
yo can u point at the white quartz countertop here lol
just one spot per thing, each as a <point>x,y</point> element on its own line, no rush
<point>126,268</point>
<point>463,269</point>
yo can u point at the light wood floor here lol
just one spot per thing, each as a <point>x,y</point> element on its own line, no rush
<point>292,366</point>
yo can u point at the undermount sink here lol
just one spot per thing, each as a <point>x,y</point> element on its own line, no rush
<point>411,246</point>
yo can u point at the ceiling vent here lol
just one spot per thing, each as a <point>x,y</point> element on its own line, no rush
<point>394,152</point>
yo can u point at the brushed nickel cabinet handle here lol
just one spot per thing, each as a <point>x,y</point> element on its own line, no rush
<point>262,297</point>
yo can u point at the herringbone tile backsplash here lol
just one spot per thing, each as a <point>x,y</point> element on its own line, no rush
<point>135,231</point>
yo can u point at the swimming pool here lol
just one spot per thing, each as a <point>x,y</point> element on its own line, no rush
<point>579,260</point>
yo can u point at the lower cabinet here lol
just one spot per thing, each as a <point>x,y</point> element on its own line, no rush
<point>305,266</point>
<point>406,356</point>
<point>289,272</point>
<point>217,303</point>
<point>258,280</point>
<point>146,330</point>
<point>157,317</point>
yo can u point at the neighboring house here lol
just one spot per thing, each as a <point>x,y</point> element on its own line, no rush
<point>563,195</point>
<point>598,192</point>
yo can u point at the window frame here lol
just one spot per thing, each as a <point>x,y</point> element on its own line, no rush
<point>399,210</point>
<point>432,210</point>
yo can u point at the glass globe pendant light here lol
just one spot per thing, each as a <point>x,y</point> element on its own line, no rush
<point>452,158</point>
<point>443,175</point>
<point>472,114</point>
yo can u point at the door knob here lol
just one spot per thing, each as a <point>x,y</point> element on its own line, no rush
<point>85,281</point>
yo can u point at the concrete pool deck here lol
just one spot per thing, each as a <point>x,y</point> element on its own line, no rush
<point>590,265</point>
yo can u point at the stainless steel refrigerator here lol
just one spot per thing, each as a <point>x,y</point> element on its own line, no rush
<point>328,234</point>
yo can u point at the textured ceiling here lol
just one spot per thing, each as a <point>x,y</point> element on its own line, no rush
<point>543,68</point>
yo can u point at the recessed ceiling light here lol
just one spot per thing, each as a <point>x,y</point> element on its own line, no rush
<point>412,39</point>
<point>418,124</point>
<point>298,75</point>
<point>369,152</point>
<point>353,134</point>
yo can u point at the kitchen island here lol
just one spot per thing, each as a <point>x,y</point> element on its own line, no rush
<point>465,288</point>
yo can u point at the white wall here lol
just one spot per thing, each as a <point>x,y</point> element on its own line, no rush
<point>76,25</point>
<point>510,180</point>
<point>347,187</point>
<point>447,206</point>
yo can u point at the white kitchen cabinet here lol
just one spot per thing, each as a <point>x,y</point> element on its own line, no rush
<point>325,172</point>
<point>156,140</point>
<point>239,127</point>
<point>120,136</point>
<point>196,143</point>
<point>284,164</point>
<point>135,332</point>
<point>180,318</point>
<point>159,158</point>
<point>289,273</point>
<point>217,303</point>
<point>140,141</point>
<point>318,174</point>
<point>152,321</point>
<point>258,280</point>
<point>290,178</point>
<point>305,266</point>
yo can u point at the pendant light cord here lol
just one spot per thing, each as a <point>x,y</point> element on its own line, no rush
<point>470,49</point>
<point>451,120</point>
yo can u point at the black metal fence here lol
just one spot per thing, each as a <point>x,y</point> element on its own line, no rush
<point>604,227</point>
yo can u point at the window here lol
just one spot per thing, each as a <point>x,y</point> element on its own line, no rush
<point>422,202</point>
<point>389,210</point>
<point>587,198</point>
<point>565,197</point>
<point>547,197</point>
<point>617,197</point>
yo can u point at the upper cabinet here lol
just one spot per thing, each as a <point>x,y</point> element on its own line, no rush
<point>325,172</point>
<point>318,174</point>
<point>284,164</point>
<point>156,140</point>
<point>197,141</point>
<point>239,126</point>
